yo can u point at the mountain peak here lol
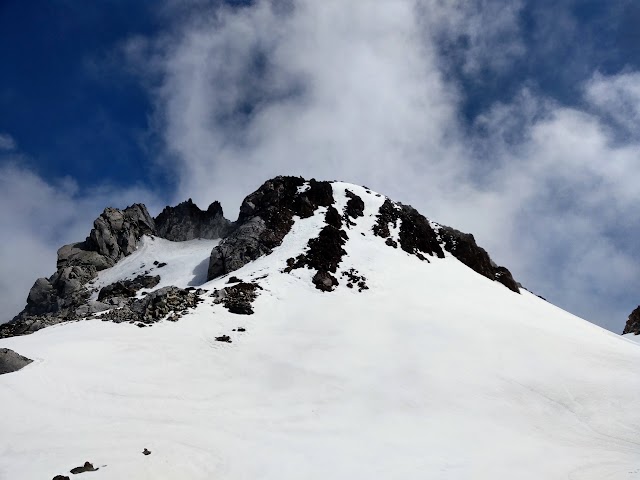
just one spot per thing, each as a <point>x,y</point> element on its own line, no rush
<point>342,212</point>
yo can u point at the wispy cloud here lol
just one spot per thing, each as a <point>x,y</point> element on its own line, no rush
<point>7,143</point>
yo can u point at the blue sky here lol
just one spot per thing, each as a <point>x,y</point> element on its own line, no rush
<point>515,120</point>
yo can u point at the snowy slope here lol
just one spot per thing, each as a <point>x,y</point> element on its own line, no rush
<point>434,372</point>
<point>183,264</point>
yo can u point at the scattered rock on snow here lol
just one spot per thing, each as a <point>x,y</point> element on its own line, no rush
<point>238,298</point>
<point>128,288</point>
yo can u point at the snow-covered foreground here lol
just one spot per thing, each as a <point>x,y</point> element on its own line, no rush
<point>434,372</point>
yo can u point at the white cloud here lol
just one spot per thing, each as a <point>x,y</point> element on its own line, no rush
<point>7,142</point>
<point>618,97</point>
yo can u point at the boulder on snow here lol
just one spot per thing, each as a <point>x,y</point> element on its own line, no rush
<point>87,467</point>
<point>11,361</point>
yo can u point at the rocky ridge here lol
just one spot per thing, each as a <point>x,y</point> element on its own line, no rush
<point>266,217</point>
<point>186,221</point>
<point>633,322</point>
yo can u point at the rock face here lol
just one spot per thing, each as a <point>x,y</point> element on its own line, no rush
<point>115,234</point>
<point>11,361</point>
<point>266,216</point>
<point>186,222</point>
<point>633,322</point>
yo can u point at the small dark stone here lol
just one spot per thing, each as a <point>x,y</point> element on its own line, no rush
<point>156,262</point>
<point>242,329</point>
<point>224,338</point>
<point>162,264</point>
<point>87,467</point>
<point>60,477</point>
<point>146,452</point>
<point>233,279</point>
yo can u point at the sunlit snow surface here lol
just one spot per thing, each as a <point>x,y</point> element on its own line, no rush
<point>435,372</point>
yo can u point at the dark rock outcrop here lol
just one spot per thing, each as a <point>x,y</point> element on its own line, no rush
<point>11,361</point>
<point>324,253</point>
<point>463,246</point>
<point>633,322</point>
<point>128,288</point>
<point>354,208</point>
<point>238,298</point>
<point>266,216</point>
<point>186,221</point>
<point>417,236</point>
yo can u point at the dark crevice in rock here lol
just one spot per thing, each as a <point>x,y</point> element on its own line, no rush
<point>266,216</point>
<point>186,221</point>
<point>633,322</point>
<point>11,361</point>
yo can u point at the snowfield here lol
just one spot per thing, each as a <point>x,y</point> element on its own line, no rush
<point>433,372</point>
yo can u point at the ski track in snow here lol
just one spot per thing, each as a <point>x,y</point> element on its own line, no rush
<point>434,372</point>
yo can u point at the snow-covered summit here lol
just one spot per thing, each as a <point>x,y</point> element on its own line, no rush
<point>332,333</point>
